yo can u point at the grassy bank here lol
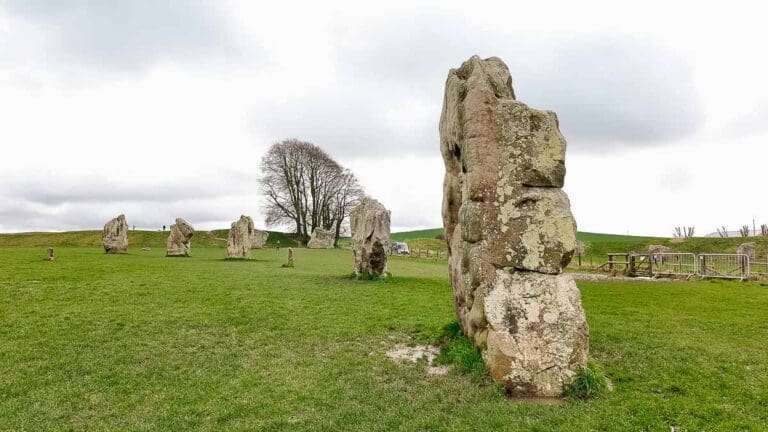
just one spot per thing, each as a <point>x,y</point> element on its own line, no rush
<point>598,245</point>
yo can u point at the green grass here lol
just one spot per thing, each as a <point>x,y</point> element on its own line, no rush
<point>143,342</point>
<point>457,350</point>
<point>589,384</point>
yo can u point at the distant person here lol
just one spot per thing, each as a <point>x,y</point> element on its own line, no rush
<point>163,227</point>
<point>278,245</point>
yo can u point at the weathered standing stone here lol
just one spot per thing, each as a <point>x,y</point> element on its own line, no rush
<point>370,237</point>
<point>747,249</point>
<point>115,235</point>
<point>49,255</point>
<point>321,239</point>
<point>658,249</point>
<point>259,239</point>
<point>510,232</point>
<point>179,240</point>
<point>239,241</point>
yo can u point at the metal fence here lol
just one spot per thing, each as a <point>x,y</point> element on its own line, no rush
<point>759,268</point>
<point>674,264</point>
<point>731,266</point>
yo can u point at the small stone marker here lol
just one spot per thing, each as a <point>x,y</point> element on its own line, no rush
<point>290,259</point>
<point>49,255</point>
<point>178,243</point>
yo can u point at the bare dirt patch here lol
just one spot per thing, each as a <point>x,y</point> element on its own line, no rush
<point>413,354</point>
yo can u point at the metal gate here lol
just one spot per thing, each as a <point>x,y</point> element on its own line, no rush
<point>674,264</point>
<point>733,266</point>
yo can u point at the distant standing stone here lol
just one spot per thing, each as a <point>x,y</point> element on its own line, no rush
<point>259,239</point>
<point>370,237</point>
<point>747,249</point>
<point>321,239</point>
<point>49,255</point>
<point>179,240</point>
<point>657,249</point>
<point>115,236</point>
<point>239,241</point>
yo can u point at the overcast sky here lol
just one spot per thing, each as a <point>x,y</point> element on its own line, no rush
<point>160,109</point>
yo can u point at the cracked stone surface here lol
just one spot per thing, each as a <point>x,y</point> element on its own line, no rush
<point>510,232</point>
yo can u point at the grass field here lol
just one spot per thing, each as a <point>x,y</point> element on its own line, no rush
<point>143,342</point>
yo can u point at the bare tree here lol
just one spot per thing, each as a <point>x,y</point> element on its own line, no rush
<point>722,232</point>
<point>683,232</point>
<point>764,230</point>
<point>347,197</point>
<point>304,187</point>
<point>744,230</point>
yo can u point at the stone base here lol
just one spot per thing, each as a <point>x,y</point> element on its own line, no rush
<point>537,338</point>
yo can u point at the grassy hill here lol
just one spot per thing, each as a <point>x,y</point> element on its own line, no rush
<point>598,245</point>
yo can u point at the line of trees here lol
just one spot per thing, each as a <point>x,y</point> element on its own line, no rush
<point>304,187</point>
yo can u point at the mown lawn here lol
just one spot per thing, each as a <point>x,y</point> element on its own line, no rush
<point>144,342</point>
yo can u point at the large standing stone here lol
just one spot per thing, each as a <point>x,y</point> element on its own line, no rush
<point>370,237</point>
<point>239,241</point>
<point>179,240</point>
<point>321,239</point>
<point>510,232</point>
<point>747,249</point>
<point>259,239</point>
<point>115,235</point>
